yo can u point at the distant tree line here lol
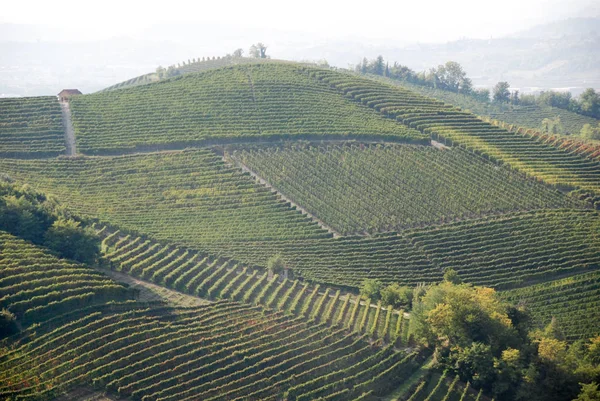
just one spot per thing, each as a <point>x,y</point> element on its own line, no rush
<point>449,76</point>
<point>452,77</point>
<point>587,104</point>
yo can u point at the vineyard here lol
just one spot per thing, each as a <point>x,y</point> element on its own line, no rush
<point>31,127</point>
<point>283,338</point>
<point>248,103</point>
<point>573,301</point>
<point>165,192</point>
<point>357,189</point>
<point>451,125</point>
<point>515,249</point>
<point>530,116</point>
<point>223,351</point>
<point>35,284</point>
<point>217,278</point>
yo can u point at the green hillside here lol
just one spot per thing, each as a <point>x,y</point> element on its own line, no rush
<point>357,189</point>
<point>530,116</point>
<point>243,103</point>
<point>189,197</point>
<point>544,161</point>
<point>573,301</point>
<point>36,285</point>
<point>31,127</point>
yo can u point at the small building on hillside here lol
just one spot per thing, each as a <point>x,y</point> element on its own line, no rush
<point>66,94</point>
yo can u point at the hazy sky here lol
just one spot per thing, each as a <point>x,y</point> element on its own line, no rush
<point>424,21</point>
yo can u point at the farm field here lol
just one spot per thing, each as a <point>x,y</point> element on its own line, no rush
<point>242,103</point>
<point>449,124</point>
<point>31,127</point>
<point>366,189</point>
<point>277,231</point>
<point>166,192</point>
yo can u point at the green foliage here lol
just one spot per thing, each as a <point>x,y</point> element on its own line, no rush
<point>501,92</point>
<point>8,323</point>
<point>371,289</point>
<point>396,296</point>
<point>590,132</point>
<point>72,241</point>
<point>275,264</point>
<point>451,276</point>
<point>552,126</point>
<point>589,392</point>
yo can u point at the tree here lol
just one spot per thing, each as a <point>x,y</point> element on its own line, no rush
<point>8,323</point>
<point>482,95</point>
<point>590,132</point>
<point>371,289</point>
<point>451,276</point>
<point>275,264</point>
<point>395,295</point>
<point>72,241</point>
<point>589,392</point>
<point>258,50</point>
<point>552,125</point>
<point>377,66</point>
<point>501,92</point>
<point>589,102</point>
<point>238,53</point>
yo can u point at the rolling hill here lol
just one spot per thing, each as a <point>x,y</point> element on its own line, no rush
<point>196,183</point>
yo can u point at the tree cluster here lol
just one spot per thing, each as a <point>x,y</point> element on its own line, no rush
<point>492,345</point>
<point>587,104</point>
<point>28,214</point>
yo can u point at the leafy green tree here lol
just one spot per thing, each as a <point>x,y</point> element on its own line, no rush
<point>238,53</point>
<point>482,95</point>
<point>377,66</point>
<point>451,276</point>
<point>258,50</point>
<point>589,392</point>
<point>72,241</point>
<point>275,264</point>
<point>590,132</point>
<point>8,323</point>
<point>589,102</point>
<point>501,94</point>
<point>371,289</point>
<point>395,295</point>
<point>552,125</point>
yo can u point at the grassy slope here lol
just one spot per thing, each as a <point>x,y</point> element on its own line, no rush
<point>241,103</point>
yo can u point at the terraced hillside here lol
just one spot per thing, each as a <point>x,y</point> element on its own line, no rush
<point>214,278</point>
<point>542,160</point>
<point>357,188</point>
<point>31,127</point>
<point>223,351</point>
<point>523,116</point>
<point>189,197</point>
<point>241,103</point>
<point>36,285</point>
<point>219,351</point>
<point>514,249</point>
<point>573,302</point>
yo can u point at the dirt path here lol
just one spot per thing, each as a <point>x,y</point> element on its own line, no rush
<point>68,126</point>
<point>439,145</point>
<point>151,292</point>
<point>264,182</point>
